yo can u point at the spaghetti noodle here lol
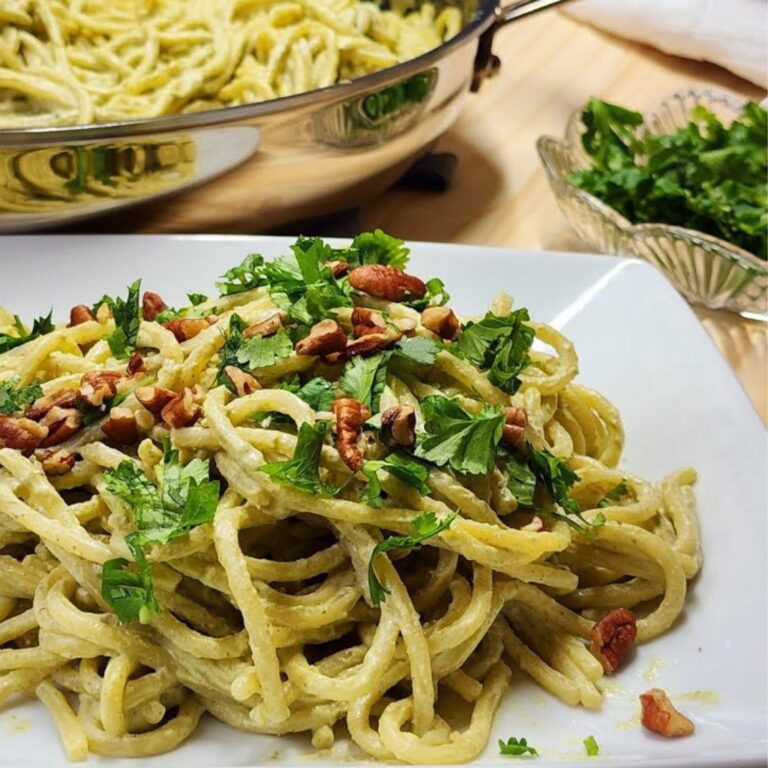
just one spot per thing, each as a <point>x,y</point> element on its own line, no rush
<point>316,498</point>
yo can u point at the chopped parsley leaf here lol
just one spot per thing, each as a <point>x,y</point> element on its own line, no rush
<point>398,465</point>
<point>40,326</point>
<point>14,398</point>
<point>516,748</point>
<point>614,495</point>
<point>592,747</point>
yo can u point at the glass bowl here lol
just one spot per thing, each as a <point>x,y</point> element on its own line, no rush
<point>705,269</point>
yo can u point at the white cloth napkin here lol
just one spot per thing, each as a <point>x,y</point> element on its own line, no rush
<point>731,33</point>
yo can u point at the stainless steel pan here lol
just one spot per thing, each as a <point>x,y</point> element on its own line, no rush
<point>262,164</point>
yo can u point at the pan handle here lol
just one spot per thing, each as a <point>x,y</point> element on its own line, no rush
<point>487,63</point>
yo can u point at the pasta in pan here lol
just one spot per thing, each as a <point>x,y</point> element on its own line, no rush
<point>318,498</point>
<point>65,62</point>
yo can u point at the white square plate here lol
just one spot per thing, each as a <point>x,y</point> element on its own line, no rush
<point>638,343</point>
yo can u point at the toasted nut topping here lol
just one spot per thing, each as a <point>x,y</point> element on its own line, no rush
<point>21,434</point>
<point>349,424</point>
<point>98,386</point>
<point>80,314</point>
<point>338,268</point>
<point>326,337</point>
<point>64,398</point>
<point>536,525</point>
<point>266,327</point>
<point>442,321</point>
<point>135,364</point>
<point>612,638</point>
<point>243,382</point>
<point>62,423</point>
<point>154,399</point>
<point>405,325</point>
<point>186,328</point>
<point>386,282</point>
<point>515,422</point>
<point>365,321</point>
<point>182,411</point>
<point>120,426</point>
<point>56,461</point>
<point>373,342</point>
<point>152,305</point>
<point>400,420</point>
<point>661,717</point>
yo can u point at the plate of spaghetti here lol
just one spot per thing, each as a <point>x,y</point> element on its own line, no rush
<point>306,501</point>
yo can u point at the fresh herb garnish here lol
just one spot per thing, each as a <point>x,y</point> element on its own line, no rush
<point>303,470</point>
<point>516,748</point>
<point>245,276</point>
<point>13,397</point>
<point>127,316</point>
<point>521,480</point>
<point>376,247</point>
<point>614,495</point>
<point>592,747</point>
<point>417,350</point>
<point>705,176</point>
<point>436,296</point>
<point>466,442</point>
<point>128,588</point>
<point>317,393</point>
<point>499,345</point>
<point>40,326</point>
<point>398,465</point>
<point>425,526</point>
<point>195,299</point>
<point>264,351</point>
<point>364,379</point>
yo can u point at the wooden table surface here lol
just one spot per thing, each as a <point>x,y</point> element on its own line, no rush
<point>550,66</point>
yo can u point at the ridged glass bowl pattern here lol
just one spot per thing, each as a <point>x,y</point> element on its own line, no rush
<point>705,269</point>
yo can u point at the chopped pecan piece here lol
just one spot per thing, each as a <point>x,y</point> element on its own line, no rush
<point>152,305</point>
<point>186,328</point>
<point>350,415</point>
<point>386,282</point>
<point>182,411</point>
<point>98,386</point>
<point>154,399</point>
<point>441,321</point>
<point>612,638</point>
<point>243,382</point>
<point>400,422</point>
<point>536,525</point>
<point>515,422</point>
<point>62,423</point>
<point>21,434</point>
<point>373,342</point>
<point>324,338</point>
<point>64,398</point>
<point>80,314</point>
<point>135,364</point>
<point>56,461</point>
<point>120,426</point>
<point>365,321</point>
<point>266,327</point>
<point>661,717</point>
<point>405,325</point>
<point>338,268</point>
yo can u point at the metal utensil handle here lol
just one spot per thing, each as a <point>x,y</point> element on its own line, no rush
<point>520,8</point>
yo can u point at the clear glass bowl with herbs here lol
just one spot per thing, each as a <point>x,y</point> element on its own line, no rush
<point>704,266</point>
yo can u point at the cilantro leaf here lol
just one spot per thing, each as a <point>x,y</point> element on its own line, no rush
<point>516,748</point>
<point>13,397</point>
<point>197,298</point>
<point>40,327</point>
<point>454,437</point>
<point>418,350</point>
<point>317,393</point>
<point>499,345</point>
<point>264,351</point>
<point>364,379</point>
<point>521,481</point>
<point>128,588</point>
<point>398,465</point>
<point>245,276</point>
<point>592,747</point>
<point>614,495</point>
<point>425,526</point>
<point>303,470</point>
<point>436,296</point>
<point>127,315</point>
<point>233,340</point>
<point>377,247</point>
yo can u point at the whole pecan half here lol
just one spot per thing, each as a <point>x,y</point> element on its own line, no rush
<point>350,415</point>
<point>659,716</point>
<point>515,422</point>
<point>324,338</point>
<point>386,282</point>
<point>154,399</point>
<point>80,314</point>
<point>441,321</point>
<point>98,386</point>
<point>21,434</point>
<point>612,638</point>
<point>266,327</point>
<point>62,423</point>
<point>373,342</point>
<point>365,321</point>
<point>182,411</point>
<point>152,305</point>
<point>64,398</point>
<point>243,382</point>
<point>56,461</point>
<point>120,426</point>
<point>186,328</point>
<point>400,422</point>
